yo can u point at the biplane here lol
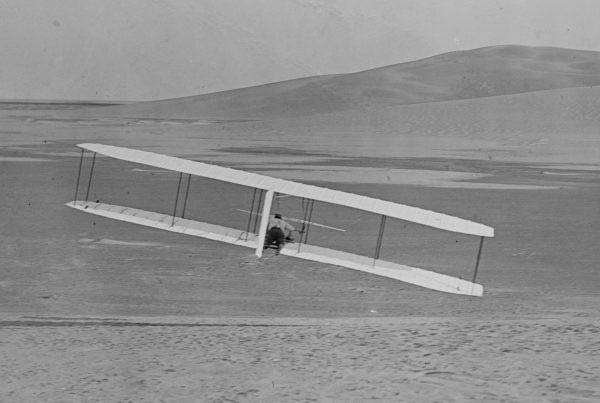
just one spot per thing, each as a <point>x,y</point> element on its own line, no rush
<point>265,188</point>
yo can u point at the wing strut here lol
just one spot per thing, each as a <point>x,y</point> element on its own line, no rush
<point>187,190</point>
<point>264,221</point>
<point>379,238</point>
<point>307,219</point>
<point>176,199</point>
<point>79,174</point>
<point>261,195</point>
<point>87,194</point>
<point>478,258</point>
<point>250,216</point>
<point>310,213</point>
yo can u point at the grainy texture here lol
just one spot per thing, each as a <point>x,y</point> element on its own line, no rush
<point>269,360</point>
<point>98,310</point>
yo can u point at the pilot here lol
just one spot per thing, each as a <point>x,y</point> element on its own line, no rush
<point>278,232</point>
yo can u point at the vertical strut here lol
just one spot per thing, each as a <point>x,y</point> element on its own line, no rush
<point>310,211</point>
<point>478,258</point>
<point>78,176</point>
<point>176,199</point>
<point>264,221</point>
<point>380,237</point>
<point>87,194</point>
<point>251,213</point>
<point>260,198</point>
<point>187,190</point>
<point>305,211</point>
<point>304,219</point>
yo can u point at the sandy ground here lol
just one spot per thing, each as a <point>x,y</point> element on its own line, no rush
<point>275,360</point>
<point>97,310</point>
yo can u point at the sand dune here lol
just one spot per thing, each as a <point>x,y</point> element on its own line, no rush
<point>554,126</point>
<point>557,126</point>
<point>484,72</point>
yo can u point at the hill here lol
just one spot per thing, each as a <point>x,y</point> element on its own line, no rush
<point>483,72</point>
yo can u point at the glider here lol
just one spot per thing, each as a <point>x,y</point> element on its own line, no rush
<point>265,188</point>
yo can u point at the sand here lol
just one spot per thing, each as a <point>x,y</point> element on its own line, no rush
<point>485,72</point>
<point>98,310</point>
<point>275,360</point>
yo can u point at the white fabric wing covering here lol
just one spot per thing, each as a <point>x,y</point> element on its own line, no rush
<point>390,209</point>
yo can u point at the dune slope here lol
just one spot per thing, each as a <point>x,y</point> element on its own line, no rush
<point>484,72</point>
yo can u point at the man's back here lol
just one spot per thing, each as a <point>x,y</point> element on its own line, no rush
<point>277,221</point>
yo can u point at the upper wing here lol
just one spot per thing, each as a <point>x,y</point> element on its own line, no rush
<point>387,208</point>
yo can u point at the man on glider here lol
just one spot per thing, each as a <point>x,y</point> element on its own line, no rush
<point>277,229</point>
<point>278,232</point>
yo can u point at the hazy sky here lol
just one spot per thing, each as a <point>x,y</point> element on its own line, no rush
<point>151,49</point>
